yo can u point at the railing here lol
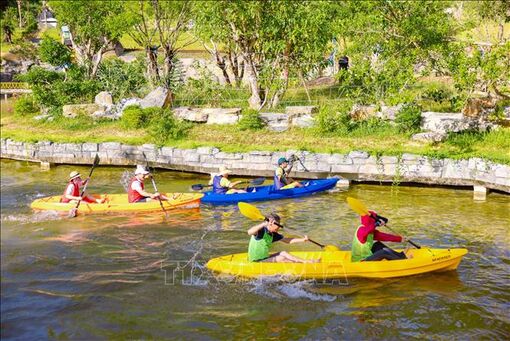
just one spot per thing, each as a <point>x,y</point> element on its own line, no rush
<point>14,85</point>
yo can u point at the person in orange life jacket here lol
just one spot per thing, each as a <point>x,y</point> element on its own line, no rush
<point>222,185</point>
<point>266,233</point>
<point>72,191</point>
<point>136,189</point>
<point>281,180</point>
<point>363,246</point>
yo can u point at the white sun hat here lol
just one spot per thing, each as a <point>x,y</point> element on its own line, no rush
<point>141,170</point>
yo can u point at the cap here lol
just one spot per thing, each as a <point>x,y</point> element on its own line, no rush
<point>274,216</point>
<point>282,160</point>
<point>74,175</point>
<point>141,170</point>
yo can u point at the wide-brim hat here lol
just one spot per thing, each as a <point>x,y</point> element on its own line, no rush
<point>224,171</point>
<point>74,175</point>
<point>141,170</point>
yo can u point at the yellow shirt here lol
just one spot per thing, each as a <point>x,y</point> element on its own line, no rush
<point>224,182</point>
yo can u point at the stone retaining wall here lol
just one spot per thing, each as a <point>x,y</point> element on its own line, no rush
<point>357,165</point>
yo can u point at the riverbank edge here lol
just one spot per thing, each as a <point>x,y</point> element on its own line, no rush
<point>357,166</point>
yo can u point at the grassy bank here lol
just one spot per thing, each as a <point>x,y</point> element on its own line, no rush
<point>383,140</point>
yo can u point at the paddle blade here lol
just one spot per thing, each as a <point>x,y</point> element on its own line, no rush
<point>257,181</point>
<point>96,160</point>
<point>357,206</point>
<point>331,248</point>
<point>73,212</point>
<point>197,187</point>
<point>250,211</point>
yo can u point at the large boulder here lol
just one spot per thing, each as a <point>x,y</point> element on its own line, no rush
<point>362,112</point>
<point>159,98</point>
<point>73,110</point>
<point>389,112</point>
<point>275,121</point>
<point>190,114</point>
<point>126,102</point>
<point>222,116</point>
<point>453,122</point>
<point>104,98</point>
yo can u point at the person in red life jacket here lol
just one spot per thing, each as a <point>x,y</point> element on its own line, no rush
<point>363,246</point>
<point>281,180</point>
<point>264,235</point>
<point>136,189</point>
<point>222,185</point>
<point>72,191</point>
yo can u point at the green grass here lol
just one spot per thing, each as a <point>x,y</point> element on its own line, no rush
<point>383,140</point>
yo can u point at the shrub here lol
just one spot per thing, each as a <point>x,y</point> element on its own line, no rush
<point>408,118</point>
<point>251,120</point>
<point>122,79</point>
<point>26,106</point>
<point>54,52</point>
<point>165,126</point>
<point>134,117</point>
<point>333,120</point>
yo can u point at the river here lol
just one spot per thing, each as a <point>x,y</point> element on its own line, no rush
<point>141,276</point>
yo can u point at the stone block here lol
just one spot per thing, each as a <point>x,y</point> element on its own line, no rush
<point>340,159</point>
<point>159,98</point>
<point>104,146</point>
<point>303,121</point>
<point>301,110</point>
<point>73,110</point>
<point>339,168</point>
<point>358,154</point>
<point>275,121</point>
<point>191,115</point>
<point>229,156</point>
<point>167,151</point>
<point>222,116</point>
<point>104,98</point>
<point>90,147</point>
<point>191,156</point>
<point>204,150</point>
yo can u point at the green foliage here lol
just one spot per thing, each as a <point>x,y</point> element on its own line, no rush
<point>135,117</point>
<point>53,89</point>
<point>122,79</point>
<point>26,106</point>
<point>9,23</point>
<point>164,127</point>
<point>25,50</point>
<point>54,52</point>
<point>408,119</point>
<point>251,120</point>
<point>333,121</point>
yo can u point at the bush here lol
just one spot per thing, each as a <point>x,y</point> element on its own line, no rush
<point>333,121</point>
<point>135,117</point>
<point>408,118</point>
<point>165,126</point>
<point>54,52</point>
<point>122,79</point>
<point>26,106</point>
<point>251,120</point>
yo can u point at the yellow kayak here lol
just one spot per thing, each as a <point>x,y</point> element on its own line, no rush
<point>119,203</point>
<point>337,265</point>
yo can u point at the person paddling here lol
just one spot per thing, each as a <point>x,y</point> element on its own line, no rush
<point>136,188</point>
<point>281,180</point>
<point>363,246</point>
<point>222,185</point>
<point>72,191</point>
<point>264,235</point>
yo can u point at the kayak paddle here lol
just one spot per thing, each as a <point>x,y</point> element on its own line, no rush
<point>154,185</point>
<point>360,208</point>
<point>255,182</point>
<point>73,211</point>
<point>253,213</point>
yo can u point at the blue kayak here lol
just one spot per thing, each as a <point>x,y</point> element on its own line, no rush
<point>262,193</point>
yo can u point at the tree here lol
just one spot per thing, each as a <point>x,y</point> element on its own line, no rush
<point>274,38</point>
<point>93,25</point>
<point>8,24</point>
<point>386,39</point>
<point>160,24</point>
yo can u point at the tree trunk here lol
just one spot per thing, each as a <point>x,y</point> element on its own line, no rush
<point>96,60</point>
<point>19,14</point>
<point>254,101</point>
<point>168,66</point>
<point>237,66</point>
<point>152,66</point>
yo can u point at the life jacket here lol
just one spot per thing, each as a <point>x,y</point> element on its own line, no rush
<point>259,249</point>
<point>217,188</point>
<point>361,250</point>
<point>279,183</point>
<point>134,196</point>
<point>76,192</point>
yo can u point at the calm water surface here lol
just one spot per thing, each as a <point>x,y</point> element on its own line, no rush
<point>141,276</point>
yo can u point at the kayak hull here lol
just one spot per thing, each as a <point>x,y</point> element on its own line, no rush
<point>338,265</point>
<point>119,203</point>
<point>262,193</point>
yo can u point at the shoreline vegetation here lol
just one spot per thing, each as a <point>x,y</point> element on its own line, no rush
<point>377,140</point>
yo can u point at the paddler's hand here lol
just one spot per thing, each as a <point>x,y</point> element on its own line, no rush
<point>155,195</point>
<point>305,239</point>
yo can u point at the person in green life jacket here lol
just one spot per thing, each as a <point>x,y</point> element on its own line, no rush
<point>367,242</point>
<point>281,179</point>
<point>222,185</point>
<point>264,235</point>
